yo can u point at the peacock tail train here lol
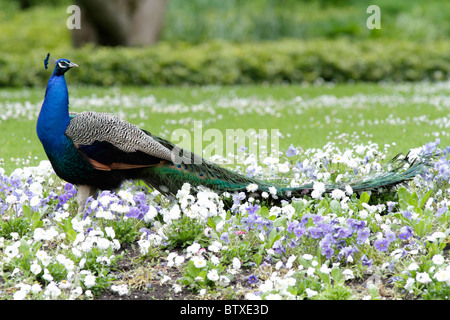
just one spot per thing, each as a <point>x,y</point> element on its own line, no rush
<point>170,177</point>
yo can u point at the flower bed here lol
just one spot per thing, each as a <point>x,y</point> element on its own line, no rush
<point>341,245</point>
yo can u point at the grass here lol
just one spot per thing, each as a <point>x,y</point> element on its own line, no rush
<point>408,115</point>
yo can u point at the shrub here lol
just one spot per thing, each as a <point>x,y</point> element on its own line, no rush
<point>217,62</point>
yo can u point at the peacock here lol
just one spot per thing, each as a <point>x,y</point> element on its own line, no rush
<point>99,151</point>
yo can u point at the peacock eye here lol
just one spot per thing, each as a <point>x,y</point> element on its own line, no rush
<point>62,64</point>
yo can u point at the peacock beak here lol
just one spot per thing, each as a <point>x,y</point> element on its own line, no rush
<point>71,65</point>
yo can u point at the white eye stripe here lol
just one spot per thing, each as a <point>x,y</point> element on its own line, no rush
<point>61,66</point>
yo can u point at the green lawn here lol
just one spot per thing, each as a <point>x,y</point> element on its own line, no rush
<point>408,115</point>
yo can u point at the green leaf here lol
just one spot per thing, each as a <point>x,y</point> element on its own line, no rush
<point>264,213</point>
<point>273,236</point>
<point>425,198</point>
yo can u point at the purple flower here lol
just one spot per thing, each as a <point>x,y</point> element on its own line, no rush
<point>252,279</point>
<point>292,151</point>
<point>326,227</point>
<point>390,236</point>
<point>405,233</point>
<point>366,262</point>
<point>354,224</point>
<point>135,213</point>
<point>278,247</point>
<point>292,225</point>
<point>299,231</point>
<point>407,214</point>
<point>252,209</point>
<point>317,218</point>
<point>390,205</point>
<point>304,220</point>
<point>238,197</point>
<point>315,233</point>
<point>344,233</point>
<point>381,245</point>
<point>441,211</point>
<point>327,252</point>
<point>362,235</point>
<point>347,251</point>
<point>224,237</point>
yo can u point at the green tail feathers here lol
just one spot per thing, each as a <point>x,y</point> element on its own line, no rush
<point>170,177</point>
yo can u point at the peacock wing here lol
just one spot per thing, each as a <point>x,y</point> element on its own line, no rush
<point>109,142</point>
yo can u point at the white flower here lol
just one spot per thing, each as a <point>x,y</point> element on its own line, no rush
<point>278,265</point>
<point>39,234</point>
<point>409,283</point>
<point>165,279</point>
<point>310,293</point>
<point>178,260</point>
<point>199,262</point>
<point>89,280</point>
<point>283,167</point>
<point>144,245</point>
<point>442,275</point>
<point>252,187</point>
<point>151,214</point>
<point>438,259</point>
<point>307,256</point>
<point>252,296</point>
<point>413,266</point>
<point>266,286</point>
<point>324,269</point>
<point>36,288</point>
<point>193,248</point>
<point>347,274</point>
<point>126,195</point>
<point>110,232</point>
<point>11,199</point>
<point>20,295</point>
<point>47,276</point>
<point>35,268</point>
<point>423,277</point>
<point>273,296</point>
<point>290,261</point>
<point>337,194</point>
<point>436,236</point>
<point>103,243</point>
<point>177,288</point>
<point>213,275</point>
<point>52,290</point>
<point>35,200</point>
<point>215,246</point>
<point>236,264</point>
<point>273,191</point>
<point>121,289</point>
<point>288,210</point>
<point>363,214</point>
<point>175,212</point>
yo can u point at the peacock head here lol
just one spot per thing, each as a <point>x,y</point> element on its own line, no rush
<point>61,65</point>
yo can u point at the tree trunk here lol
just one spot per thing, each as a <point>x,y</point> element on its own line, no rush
<point>119,22</point>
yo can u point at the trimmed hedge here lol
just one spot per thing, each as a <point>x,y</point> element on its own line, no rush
<point>215,62</point>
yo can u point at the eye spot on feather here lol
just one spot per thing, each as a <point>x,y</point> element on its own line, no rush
<point>201,175</point>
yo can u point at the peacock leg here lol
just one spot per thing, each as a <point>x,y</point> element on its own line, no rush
<point>84,192</point>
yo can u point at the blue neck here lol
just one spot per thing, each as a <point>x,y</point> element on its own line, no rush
<point>54,116</point>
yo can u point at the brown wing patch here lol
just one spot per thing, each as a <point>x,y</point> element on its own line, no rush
<point>119,166</point>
